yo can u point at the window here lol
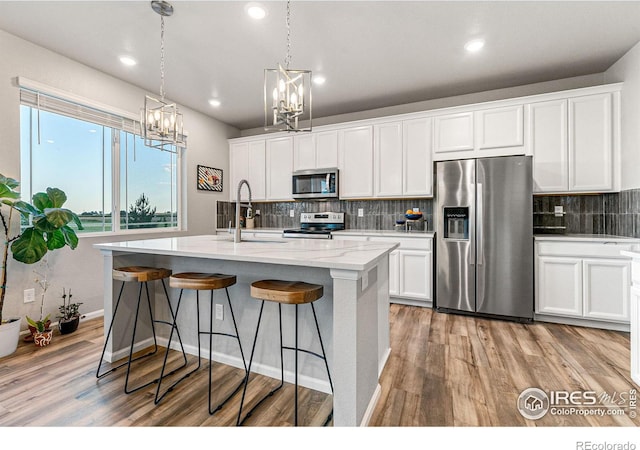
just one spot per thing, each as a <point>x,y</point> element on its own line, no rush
<point>113,181</point>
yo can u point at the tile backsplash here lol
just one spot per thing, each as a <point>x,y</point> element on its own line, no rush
<point>611,213</point>
<point>378,214</point>
<point>614,213</point>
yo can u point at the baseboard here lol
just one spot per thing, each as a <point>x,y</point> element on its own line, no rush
<point>372,406</point>
<point>583,322</point>
<point>411,302</point>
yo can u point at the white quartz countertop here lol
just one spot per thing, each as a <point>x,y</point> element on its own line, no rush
<point>393,233</point>
<point>585,238</point>
<point>320,253</point>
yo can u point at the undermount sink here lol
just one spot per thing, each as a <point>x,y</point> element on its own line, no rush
<point>257,241</point>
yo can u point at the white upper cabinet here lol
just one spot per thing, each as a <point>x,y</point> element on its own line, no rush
<point>402,159</point>
<point>318,150</point>
<point>479,133</point>
<point>326,149</point>
<point>573,144</point>
<point>417,172</point>
<point>549,145</point>
<point>355,149</point>
<point>279,168</point>
<point>387,165</point>
<point>453,133</point>
<point>499,127</point>
<point>590,143</point>
<point>247,161</point>
<point>304,152</point>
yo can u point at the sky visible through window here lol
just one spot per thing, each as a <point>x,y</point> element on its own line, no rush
<point>76,156</point>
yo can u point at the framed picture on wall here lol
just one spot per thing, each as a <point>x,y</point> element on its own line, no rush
<point>209,179</point>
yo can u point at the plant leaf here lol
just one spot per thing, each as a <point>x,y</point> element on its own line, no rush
<point>11,182</point>
<point>7,192</point>
<point>31,322</point>
<point>30,247</point>
<point>25,208</point>
<point>55,240</point>
<point>58,217</point>
<point>57,196</point>
<point>42,201</point>
<point>70,236</point>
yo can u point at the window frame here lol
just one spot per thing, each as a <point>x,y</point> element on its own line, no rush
<point>130,123</point>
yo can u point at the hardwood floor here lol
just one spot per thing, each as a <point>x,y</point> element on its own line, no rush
<point>444,370</point>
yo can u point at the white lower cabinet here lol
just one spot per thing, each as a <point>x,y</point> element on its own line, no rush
<point>588,281</point>
<point>606,279</point>
<point>559,286</point>
<point>410,267</point>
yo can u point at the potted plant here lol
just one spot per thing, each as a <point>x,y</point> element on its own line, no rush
<point>45,228</point>
<point>43,334</point>
<point>69,317</point>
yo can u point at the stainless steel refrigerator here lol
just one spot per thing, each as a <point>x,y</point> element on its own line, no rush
<point>484,235</point>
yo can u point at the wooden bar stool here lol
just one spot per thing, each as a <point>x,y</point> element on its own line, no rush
<point>204,282</point>
<point>290,293</point>
<point>142,276</point>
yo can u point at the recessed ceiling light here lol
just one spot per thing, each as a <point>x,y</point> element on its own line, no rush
<point>128,61</point>
<point>474,45</point>
<point>214,102</point>
<point>319,79</point>
<point>255,11</point>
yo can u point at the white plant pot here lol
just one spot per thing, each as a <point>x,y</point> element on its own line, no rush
<point>9,336</point>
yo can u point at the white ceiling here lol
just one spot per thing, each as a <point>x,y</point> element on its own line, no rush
<point>373,53</point>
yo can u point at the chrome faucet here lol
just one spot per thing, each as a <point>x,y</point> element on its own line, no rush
<point>237,236</point>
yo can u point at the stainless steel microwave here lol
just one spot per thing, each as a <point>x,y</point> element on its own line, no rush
<point>315,183</point>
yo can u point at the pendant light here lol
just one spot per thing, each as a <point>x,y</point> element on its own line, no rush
<point>161,121</point>
<point>287,93</point>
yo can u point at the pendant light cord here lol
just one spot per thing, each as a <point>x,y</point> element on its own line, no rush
<point>162,58</point>
<point>288,58</point>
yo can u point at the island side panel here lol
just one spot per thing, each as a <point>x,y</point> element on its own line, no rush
<point>384,343</point>
<point>355,328</point>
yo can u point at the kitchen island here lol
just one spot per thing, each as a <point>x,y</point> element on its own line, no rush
<point>353,314</point>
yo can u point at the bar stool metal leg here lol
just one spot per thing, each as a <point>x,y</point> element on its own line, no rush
<point>106,340</point>
<point>296,350</point>
<point>211,333</point>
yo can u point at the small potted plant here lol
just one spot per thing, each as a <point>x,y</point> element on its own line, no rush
<point>43,334</point>
<point>69,317</point>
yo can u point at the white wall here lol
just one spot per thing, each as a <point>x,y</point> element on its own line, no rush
<point>466,99</point>
<point>627,70</point>
<point>81,269</point>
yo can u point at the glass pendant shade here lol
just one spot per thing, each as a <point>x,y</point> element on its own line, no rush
<point>287,99</point>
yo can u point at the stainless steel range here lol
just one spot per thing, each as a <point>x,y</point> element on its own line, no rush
<point>316,226</point>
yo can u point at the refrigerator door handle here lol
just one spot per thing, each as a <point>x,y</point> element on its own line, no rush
<point>479,224</point>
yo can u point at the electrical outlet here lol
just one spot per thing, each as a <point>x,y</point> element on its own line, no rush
<point>558,211</point>
<point>257,212</point>
<point>360,212</point>
<point>219,311</point>
<point>29,295</point>
<point>292,213</point>
<point>416,210</point>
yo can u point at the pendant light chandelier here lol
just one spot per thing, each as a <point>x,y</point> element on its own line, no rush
<point>287,93</point>
<point>161,121</point>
